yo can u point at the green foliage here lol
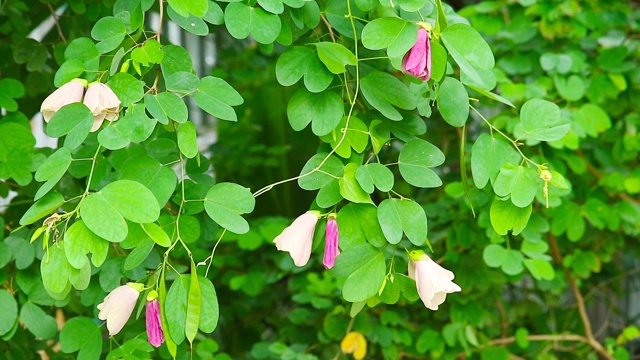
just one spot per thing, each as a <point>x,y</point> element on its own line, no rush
<point>536,98</point>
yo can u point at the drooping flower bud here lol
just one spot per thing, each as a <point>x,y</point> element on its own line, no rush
<point>331,249</point>
<point>433,282</point>
<point>297,238</point>
<point>417,62</point>
<point>154,320</point>
<point>66,94</point>
<point>103,103</point>
<point>118,306</point>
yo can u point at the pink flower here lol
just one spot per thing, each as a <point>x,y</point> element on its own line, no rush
<point>432,280</point>
<point>331,250</point>
<point>417,62</point>
<point>66,94</point>
<point>154,323</point>
<point>103,103</point>
<point>118,306</point>
<point>297,238</point>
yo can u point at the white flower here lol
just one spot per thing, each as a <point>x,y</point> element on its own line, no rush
<point>118,306</point>
<point>103,103</point>
<point>432,280</point>
<point>297,238</point>
<point>66,94</point>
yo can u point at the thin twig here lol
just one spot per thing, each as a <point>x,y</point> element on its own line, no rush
<point>55,18</point>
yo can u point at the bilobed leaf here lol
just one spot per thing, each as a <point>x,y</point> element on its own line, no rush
<point>349,187</point>
<point>375,174</point>
<point>392,33</point>
<point>505,216</point>
<point>242,20</point>
<point>324,109</point>
<point>358,224</point>
<point>132,200</point>
<point>43,207</point>
<point>75,121</point>
<point>298,61</point>
<point>225,202</point>
<point>102,218</point>
<point>165,106</point>
<point>488,155</point>
<point>356,137</point>
<point>161,180</point>
<point>149,53</point>
<point>518,181</point>
<point>329,194</point>
<point>335,56</point>
<point>417,157</point>
<point>194,305</point>
<point>452,99</point>
<point>187,139</point>
<point>330,169</point>
<point>216,96</point>
<point>541,121</point>
<point>398,216</point>
<point>110,32</point>
<point>384,91</point>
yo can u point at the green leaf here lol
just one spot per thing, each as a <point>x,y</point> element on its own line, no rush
<point>452,102</point>
<point>149,53</point>
<point>469,50</point>
<point>132,200</point>
<point>505,216</point>
<point>110,32</point>
<point>186,7</point>
<point>297,62</point>
<point>156,234</point>
<point>242,20</point>
<point>541,121</point>
<point>161,180</point>
<point>329,194</point>
<point>397,216</point>
<point>392,33</point>
<point>356,137</point>
<point>176,60</point>
<point>571,89</point>
<point>357,224</point>
<point>23,251</point>
<point>593,119</point>
<point>375,174</point>
<point>175,309</point>
<point>43,207</point>
<point>364,267</point>
<point>52,170</point>
<point>331,169</point>
<point>209,313</point>
<point>165,106</point>
<point>9,313</point>
<point>194,305</point>
<point>190,23</point>
<point>335,56</point>
<point>102,218</point>
<point>83,50</point>
<point>216,96</point>
<point>40,324</point>
<point>139,254</point>
<point>513,262</point>
<point>494,255</point>
<point>383,90</point>
<point>349,187</point>
<point>128,89</point>
<point>519,181</point>
<point>187,139</point>
<point>162,296</point>
<point>225,202</point>
<point>214,14</point>
<point>540,269</point>
<point>272,6</point>
<point>75,121</point>
<point>79,241</point>
<point>488,155</point>
<point>416,158</point>
<point>325,109</point>
<point>81,334</point>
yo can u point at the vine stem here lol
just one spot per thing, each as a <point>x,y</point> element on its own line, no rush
<point>352,104</point>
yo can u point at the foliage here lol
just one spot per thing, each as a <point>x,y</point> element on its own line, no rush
<point>515,166</point>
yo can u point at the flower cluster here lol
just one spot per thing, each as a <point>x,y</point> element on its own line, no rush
<point>99,98</point>
<point>297,239</point>
<point>118,305</point>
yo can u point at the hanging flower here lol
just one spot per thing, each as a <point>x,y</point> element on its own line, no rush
<point>154,320</point>
<point>297,238</point>
<point>66,94</point>
<point>417,62</point>
<point>354,343</point>
<point>331,250</point>
<point>432,280</point>
<point>103,103</point>
<point>118,306</point>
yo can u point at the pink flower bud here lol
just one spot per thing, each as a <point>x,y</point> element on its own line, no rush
<point>297,238</point>
<point>433,282</point>
<point>103,103</point>
<point>417,62</point>
<point>66,94</point>
<point>331,250</point>
<point>154,323</point>
<point>118,306</point>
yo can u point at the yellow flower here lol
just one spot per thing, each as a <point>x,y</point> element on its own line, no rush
<point>354,343</point>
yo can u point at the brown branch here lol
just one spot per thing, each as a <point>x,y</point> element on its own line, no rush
<point>582,309</point>
<point>595,172</point>
<point>546,337</point>
<point>326,22</point>
<point>55,18</point>
<point>503,316</point>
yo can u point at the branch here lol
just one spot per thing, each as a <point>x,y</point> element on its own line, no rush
<point>592,169</point>
<point>588,331</point>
